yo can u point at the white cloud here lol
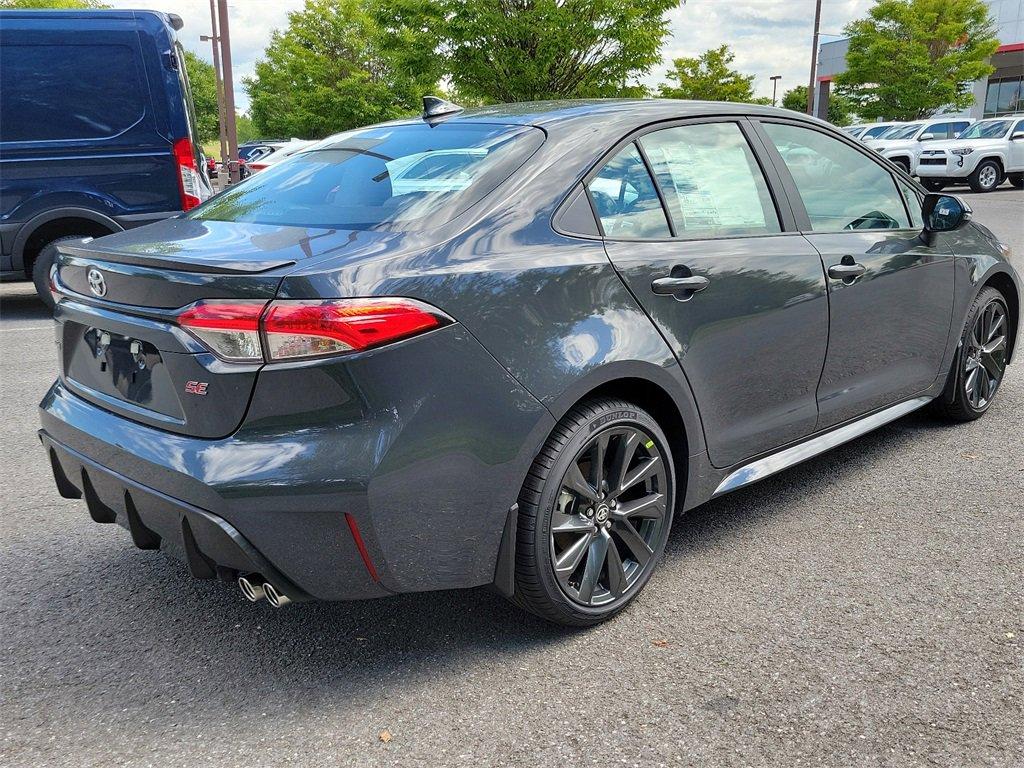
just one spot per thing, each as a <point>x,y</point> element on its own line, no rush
<point>769,37</point>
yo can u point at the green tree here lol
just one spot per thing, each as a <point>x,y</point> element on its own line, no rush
<point>204,96</point>
<point>840,108</point>
<point>909,58</point>
<point>709,77</point>
<point>520,50</point>
<point>43,4</point>
<point>331,70</point>
<point>245,129</point>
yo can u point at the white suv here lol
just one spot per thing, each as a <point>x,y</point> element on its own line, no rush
<point>985,154</point>
<point>903,144</point>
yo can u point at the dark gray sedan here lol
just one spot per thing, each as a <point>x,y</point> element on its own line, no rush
<point>508,345</point>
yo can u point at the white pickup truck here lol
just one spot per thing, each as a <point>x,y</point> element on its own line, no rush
<point>985,155</point>
<point>904,144</point>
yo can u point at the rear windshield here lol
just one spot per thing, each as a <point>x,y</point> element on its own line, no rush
<point>409,176</point>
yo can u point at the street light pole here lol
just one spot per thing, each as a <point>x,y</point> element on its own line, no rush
<point>229,90</point>
<point>775,85</point>
<point>811,86</point>
<point>218,77</point>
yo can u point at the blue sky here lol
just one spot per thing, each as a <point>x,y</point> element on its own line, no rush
<point>769,37</point>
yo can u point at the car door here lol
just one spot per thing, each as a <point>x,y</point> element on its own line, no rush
<point>735,290</point>
<point>1016,150</point>
<point>890,292</point>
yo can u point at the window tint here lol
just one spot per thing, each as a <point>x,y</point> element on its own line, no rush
<point>408,176</point>
<point>913,200</point>
<point>55,92</point>
<point>988,129</point>
<point>876,132</point>
<point>712,183</point>
<point>841,188</point>
<point>626,200</point>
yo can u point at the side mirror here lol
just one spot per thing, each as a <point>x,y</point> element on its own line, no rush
<point>1017,136</point>
<point>926,137</point>
<point>944,213</point>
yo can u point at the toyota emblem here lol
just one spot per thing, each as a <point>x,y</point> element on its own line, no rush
<point>96,282</point>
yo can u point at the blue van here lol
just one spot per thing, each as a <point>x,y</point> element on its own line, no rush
<point>97,131</point>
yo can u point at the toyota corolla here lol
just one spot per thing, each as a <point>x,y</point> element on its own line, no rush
<point>509,345</point>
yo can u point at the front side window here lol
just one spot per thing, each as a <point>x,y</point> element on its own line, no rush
<point>841,188</point>
<point>400,177</point>
<point>626,199</point>
<point>713,186</point>
<point>988,129</point>
<point>914,203</point>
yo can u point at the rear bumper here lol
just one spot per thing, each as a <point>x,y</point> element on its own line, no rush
<point>421,468</point>
<point>210,546</point>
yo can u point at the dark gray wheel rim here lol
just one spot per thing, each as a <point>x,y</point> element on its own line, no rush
<point>985,360</point>
<point>609,516</point>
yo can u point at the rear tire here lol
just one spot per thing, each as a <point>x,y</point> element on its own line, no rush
<point>589,531</point>
<point>1017,179</point>
<point>934,185</point>
<point>980,362</point>
<point>41,268</point>
<point>986,177</point>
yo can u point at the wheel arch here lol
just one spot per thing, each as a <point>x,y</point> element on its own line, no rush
<point>1003,283</point>
<point>54,223</point>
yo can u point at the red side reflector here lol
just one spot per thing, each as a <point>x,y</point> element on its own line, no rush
<point>353,526</point>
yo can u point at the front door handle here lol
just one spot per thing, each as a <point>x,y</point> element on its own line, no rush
<point>846,271</point>
<point>675,286</point>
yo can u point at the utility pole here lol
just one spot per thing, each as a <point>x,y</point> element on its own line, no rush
<point>229,90</point>
<point>812,86</point>
<point>218,77</point>
<point>775,86</point>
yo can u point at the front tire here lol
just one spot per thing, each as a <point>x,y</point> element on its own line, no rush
<point>980,362</point>
<point>986,176</point>
<point>594,514</point>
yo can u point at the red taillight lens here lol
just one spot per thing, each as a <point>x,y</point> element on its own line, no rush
<point>241,331</point>
<point>313,328</point>
<point>231,330</point>
<point>256,166</point>
<point>188,175</point>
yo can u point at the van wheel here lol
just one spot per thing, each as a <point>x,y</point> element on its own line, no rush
<point>934,185</point>
<point>1017,179</point>
<point>986,176</point>
<point>41,268</point>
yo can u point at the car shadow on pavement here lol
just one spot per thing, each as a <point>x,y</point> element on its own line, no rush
<point>23,306</point>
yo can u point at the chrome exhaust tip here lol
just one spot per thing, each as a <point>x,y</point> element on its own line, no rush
<point>252,588</point>
<point>275,597</point>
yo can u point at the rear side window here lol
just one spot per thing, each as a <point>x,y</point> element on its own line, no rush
<point>408,176</point>
<point>841,188</point>
<point>713,185</point>
<point>53,92</point>
<point>626,200</point>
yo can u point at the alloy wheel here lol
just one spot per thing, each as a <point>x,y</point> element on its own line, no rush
<point>609,516</point>
<point>988,176</point>
<point>985,359</point>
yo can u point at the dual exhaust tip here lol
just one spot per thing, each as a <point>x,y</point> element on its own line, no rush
<point>255,588</point>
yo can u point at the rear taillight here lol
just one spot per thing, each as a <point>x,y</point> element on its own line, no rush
<point>188,175</point>
<point>256,166</point>
<point>231,330</point>
<point>294,330</point>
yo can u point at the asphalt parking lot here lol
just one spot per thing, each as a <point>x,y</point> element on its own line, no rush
<point>863,609</point>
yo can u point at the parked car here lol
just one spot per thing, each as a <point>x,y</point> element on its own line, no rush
<point>877,130</point>
<point>856,130</point>
<point>278,153</point>
<point>96,131</point>
<point>985,155</point>
<point>904,143</point>
<point>519,364</point>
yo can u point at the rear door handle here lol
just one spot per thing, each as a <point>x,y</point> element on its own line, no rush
<point>674,286</point>
<point>846,271</point>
